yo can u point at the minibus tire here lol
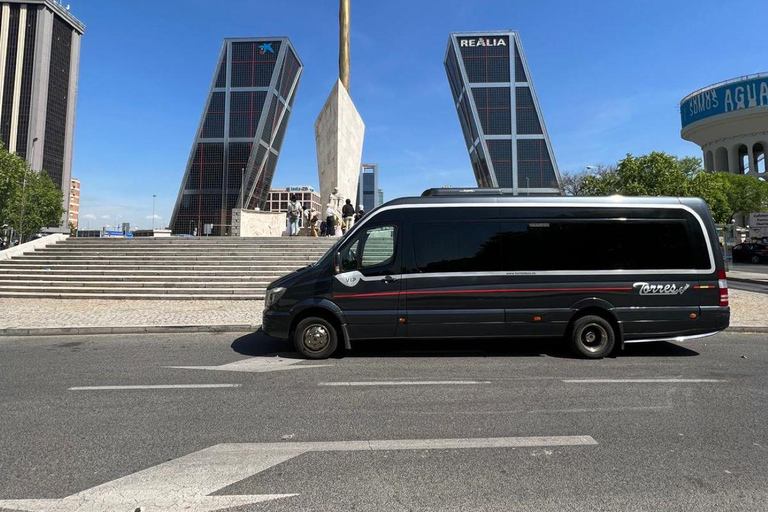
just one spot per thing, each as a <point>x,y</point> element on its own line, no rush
<point>315,338</point>
<point>592,336</point>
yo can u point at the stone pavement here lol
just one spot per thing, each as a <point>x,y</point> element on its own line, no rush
<point>747,310</point>
<point>50,313</point>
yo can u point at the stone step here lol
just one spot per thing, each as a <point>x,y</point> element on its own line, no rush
<point>256,256</point>
<point>98,278</point>
<point>203,246</point>
<point>136,243</point>
<point>128,296</point>
<point>153,250</point>
<point>160,262</point>
<point>9,285</point>
<point>132,290</point>
<point>91,271</point>
<point>242,267</point>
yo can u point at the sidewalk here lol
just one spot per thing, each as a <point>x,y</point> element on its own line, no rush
<point>103,316</point>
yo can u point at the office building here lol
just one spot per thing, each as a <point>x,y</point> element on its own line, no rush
<point>240,133</point>
<point>39,66</point>
<point>499,113</point>
<point>368,187</point>
<point>381,196</point>
<point>73,213</point>
<point>278,198</point>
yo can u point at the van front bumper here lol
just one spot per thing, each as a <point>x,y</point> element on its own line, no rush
<point>276,324</point>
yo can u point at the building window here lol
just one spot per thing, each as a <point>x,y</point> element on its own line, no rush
<point>758,154</point>
<point>743,159</point>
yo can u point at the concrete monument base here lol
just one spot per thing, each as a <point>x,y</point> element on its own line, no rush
<point>339,132</point>
<point>258,223</point>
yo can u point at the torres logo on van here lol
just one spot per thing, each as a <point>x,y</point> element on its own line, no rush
<point>661,289</point>
<point>482,41</point>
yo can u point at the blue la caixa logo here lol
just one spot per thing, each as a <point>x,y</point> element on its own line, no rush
<point>266,48</point>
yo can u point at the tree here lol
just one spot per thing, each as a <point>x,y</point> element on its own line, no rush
<point>573,184</point>
<point>743,194</point>
<point>660,174</point>
<point>29,200</point>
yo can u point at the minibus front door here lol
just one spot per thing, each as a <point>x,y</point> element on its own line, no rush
<point>367,285</point>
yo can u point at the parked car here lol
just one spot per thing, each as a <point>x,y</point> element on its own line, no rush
<point>755,253</point>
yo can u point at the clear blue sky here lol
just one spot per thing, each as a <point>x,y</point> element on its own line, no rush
<point>609,76</point>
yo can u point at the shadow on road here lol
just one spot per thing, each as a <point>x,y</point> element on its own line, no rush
<point>259,344</point>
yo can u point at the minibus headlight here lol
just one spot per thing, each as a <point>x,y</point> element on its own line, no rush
<point>273,296</point>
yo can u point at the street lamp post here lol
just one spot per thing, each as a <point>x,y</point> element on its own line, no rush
<point>154,196</point>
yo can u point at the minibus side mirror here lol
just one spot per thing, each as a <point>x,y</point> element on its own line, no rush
<point>337,262</point>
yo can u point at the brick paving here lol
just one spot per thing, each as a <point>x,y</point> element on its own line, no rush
<point>747,310</point>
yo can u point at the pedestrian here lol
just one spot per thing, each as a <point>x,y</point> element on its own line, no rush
<point>330,220</point>
<point>360,213</point>
<point>347,216</point>
<point>313,223</point>
<point>294,214</point>
<point>323,227</point>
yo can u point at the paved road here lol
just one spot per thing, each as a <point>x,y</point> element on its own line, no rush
<point>664,427</point>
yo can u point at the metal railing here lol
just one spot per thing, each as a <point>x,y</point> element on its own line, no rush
<point>724,82</point>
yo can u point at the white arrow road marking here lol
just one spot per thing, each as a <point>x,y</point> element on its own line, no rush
<point>184,484</point>
<point>257,364</point>
<point>178,485</point>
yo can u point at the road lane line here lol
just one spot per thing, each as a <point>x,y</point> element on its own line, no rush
<point>408,383</point>
<point>638,381</point>
<point>159,386</point>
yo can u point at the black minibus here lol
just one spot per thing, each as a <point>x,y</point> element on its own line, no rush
<point>478,263</point>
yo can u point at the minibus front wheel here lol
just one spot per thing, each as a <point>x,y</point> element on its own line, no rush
<point>315,338</point>
<point>592,336</point>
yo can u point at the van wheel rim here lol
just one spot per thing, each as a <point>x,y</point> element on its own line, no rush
<point>593,337</point>
<point>316,337</point>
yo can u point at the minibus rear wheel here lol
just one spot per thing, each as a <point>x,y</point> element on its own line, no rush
<point>315,338</point>
<point>592,336</point>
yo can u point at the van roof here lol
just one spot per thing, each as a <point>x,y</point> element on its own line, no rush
<point>484,196</point>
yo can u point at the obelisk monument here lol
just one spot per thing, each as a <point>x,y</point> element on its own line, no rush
<point>339,130</point>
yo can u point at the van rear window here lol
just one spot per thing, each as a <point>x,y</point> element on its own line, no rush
<point>529,245</point>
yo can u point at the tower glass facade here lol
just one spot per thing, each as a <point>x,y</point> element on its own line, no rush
<point>39,66</point>
<point>240,133</point>
<point>368,189</point>
<point>499,113</point>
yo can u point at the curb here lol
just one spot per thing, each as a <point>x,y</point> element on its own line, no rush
<point>751,281</point>
<point>169,329</point>
<point>740,328</point>
<point>147,329</point>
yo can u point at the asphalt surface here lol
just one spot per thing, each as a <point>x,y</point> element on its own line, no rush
<point>700,443</point>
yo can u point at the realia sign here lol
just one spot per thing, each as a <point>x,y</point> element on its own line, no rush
<point>473,42</point>
<point>726,98</point>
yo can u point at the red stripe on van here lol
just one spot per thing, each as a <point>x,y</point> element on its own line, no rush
<point>458,292</point>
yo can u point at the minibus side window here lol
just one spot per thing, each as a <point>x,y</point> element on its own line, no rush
<point>379,247</point>
<point>472,246</point>
<point>349,256</point>
<point>373,248</point>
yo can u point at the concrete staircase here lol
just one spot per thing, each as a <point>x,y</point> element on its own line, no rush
<point>157,268</point>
